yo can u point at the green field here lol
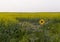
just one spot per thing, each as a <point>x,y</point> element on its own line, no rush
<point>27,27</point>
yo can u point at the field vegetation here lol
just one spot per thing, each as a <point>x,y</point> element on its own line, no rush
<point>25,27</point>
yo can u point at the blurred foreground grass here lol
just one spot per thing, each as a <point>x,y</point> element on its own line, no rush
<point>25,27</point>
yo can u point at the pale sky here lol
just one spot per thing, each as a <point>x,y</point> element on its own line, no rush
<point>29,5</point>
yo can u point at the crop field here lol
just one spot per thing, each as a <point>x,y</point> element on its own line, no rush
<point>30,27</point>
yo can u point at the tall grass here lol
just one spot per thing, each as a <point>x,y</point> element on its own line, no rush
<point>20,28</point>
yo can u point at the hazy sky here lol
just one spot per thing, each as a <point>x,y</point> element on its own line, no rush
<point>30,5</point>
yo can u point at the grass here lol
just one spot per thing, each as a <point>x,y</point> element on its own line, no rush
<point>25,27</point>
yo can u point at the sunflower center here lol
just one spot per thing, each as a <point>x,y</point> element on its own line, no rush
<point>41,21</point>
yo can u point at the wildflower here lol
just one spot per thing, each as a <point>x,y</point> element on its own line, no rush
<point>41,21</point>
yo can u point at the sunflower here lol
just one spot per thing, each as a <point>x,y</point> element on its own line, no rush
<point>41,21</point>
